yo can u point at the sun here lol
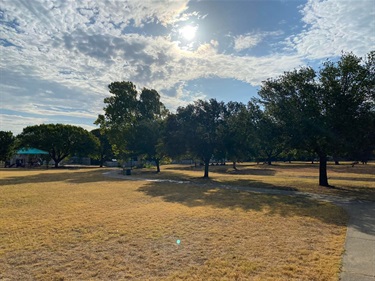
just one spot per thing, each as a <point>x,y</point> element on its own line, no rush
<point>188,32</point>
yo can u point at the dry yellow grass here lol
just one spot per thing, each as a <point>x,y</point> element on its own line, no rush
<point>80,225</point>
<point>357,181</point>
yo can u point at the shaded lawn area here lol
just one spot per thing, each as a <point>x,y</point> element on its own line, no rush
<point>78,224</point>
<point>357,181</point>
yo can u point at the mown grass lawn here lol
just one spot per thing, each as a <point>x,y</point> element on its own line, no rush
<point>357,181</point>
<point>80,225</point>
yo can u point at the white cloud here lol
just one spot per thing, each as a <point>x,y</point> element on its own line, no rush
<point>250,40</point>
<point>32,95</point>
<point>164,11</point>
<point>65,53</point>
<point>15,123</point>
<point>333,26</point>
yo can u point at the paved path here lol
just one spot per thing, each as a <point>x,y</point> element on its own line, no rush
<point>359,256</point>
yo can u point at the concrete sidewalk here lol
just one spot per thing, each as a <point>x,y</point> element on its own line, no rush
<point>359,256</point>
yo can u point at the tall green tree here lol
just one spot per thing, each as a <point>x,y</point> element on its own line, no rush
<point>197,127</point>
<point>7,145</point>
<point>322,111</point>
<point>270,140</point>
<point>59,140</point>
<point>105,152</point>
<point>149,129</point>
<point>174,136</point>
<point>120,116</point>
<point>237,133</point>
<point>149,105</point>
<point>349,88</point>
<point>133,121</point>
<point>149,136</point>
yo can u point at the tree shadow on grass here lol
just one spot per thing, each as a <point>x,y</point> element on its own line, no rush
<point>192,195</point>
<point>368,169</point>
<point>71,175</point>
<point>213,180</point>
<point>363,217</point>
<point>252,172</point>
<point>238,184</point>
<point>352,178</point>
<point>228,169</point>
<point>244,183</point>
<point>351,190</point>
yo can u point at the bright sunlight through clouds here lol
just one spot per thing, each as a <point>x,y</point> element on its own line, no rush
<point>188,32</point>
<point>58,57</point>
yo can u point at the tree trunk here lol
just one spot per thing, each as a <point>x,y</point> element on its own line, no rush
<point>234,165</point>
<point>269,159</point>
<point>56,160</point>
<point>336,160</point>
<point>206,166</point>
<point>157,162</point>
<point>323,179</point>
<point>101,160</point>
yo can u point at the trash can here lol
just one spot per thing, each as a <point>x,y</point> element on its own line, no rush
<point>128,172</point>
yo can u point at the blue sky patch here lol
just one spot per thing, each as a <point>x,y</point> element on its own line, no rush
<point>57,58</point>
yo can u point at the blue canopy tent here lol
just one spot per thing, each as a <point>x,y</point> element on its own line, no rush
<point>31,151</point>
<point>28,157</point>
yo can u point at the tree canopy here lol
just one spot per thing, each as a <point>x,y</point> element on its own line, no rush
<point>302,113</point>
<point>324,111</point>
<point>105,151</point>
<point>59,140</point>
<point>198,127</point>
<point>7,145</point>
<point>133,121</point>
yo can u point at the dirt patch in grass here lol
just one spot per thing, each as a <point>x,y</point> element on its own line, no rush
<point>79,225</point>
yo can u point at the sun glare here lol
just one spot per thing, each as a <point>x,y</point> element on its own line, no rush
<point>188,32</point>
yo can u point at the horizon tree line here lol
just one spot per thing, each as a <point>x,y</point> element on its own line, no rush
<point>328,112</point>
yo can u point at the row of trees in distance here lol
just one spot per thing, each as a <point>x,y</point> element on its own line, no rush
<point>326,112</point>
<point>59,140</point>
<point>329,112</point>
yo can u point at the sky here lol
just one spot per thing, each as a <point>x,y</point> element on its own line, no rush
<point>57,57</point>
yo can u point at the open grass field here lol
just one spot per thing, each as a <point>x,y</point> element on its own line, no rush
<point>357,181</point>
<point>76,224</point>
